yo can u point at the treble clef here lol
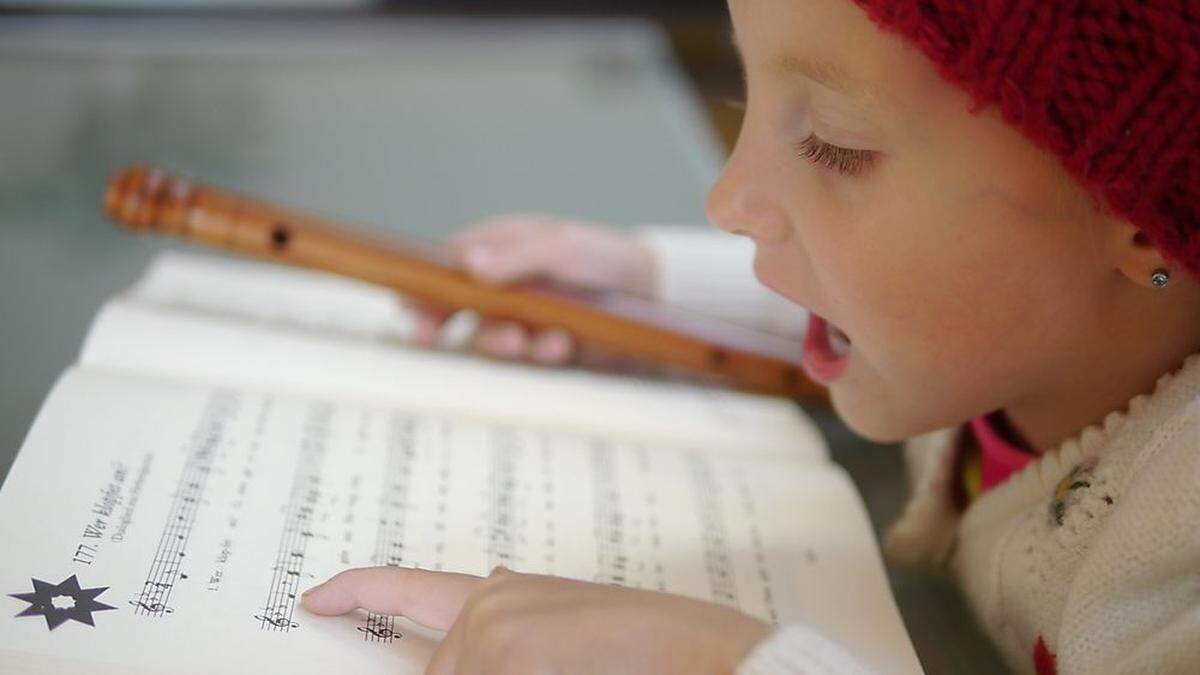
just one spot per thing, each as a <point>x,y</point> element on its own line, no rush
<point>155,607</point>
<point>381,633</point>
<point>277,620</point>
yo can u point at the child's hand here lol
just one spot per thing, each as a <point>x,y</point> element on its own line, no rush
<point>523,623</point>
<point>523,247</point>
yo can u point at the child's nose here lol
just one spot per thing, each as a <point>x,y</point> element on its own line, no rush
<point>740,205</point>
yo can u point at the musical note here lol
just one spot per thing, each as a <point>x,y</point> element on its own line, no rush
<point>299,510</point>
<point>610,540</point>
<point>716,548</point>
<point>506,453</point>
<point>219,411</point>
<point>393,510</point>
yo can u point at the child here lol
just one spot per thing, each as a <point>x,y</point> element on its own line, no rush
<point>992,211</point>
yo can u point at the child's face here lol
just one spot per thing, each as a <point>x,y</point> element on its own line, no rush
<point>962,262</point>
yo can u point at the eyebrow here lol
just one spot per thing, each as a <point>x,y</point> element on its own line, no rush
<point>824,72</point>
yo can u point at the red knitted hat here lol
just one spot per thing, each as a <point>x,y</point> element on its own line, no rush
<point>1110,86</point>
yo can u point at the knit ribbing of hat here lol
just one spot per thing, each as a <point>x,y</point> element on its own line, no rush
<point>1112,87</point>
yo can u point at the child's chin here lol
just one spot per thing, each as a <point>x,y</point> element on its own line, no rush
<point>871,420</point>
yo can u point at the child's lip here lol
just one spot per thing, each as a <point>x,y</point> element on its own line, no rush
<point>820,361</point>
<point>778,289</point>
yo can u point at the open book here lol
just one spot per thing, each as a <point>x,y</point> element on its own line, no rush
<point>234,433</point>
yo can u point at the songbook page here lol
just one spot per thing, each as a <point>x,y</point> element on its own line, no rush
<point>276,295</point>
<point>165,526</point>
<point>178,324</point>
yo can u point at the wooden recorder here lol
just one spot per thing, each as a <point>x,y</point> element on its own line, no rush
<point>150,200</point>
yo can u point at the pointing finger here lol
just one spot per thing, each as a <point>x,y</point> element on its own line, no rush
<point>432,599</point>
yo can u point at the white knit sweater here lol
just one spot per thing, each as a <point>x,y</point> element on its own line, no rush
<point>1086,561</point>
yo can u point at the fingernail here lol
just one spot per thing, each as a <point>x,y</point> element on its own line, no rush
<point>305,593</point>
<point>456,333</point>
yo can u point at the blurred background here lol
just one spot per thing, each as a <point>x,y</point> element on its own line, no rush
<point>418,116</point>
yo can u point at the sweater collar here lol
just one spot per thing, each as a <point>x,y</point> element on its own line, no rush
<point>1142,415</point>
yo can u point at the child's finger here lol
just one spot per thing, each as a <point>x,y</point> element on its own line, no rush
<point>443,328</point>
<point>429,320</point>
<point>504,340</point>
<point>498,229</point>
<point>501,263</point>
<point>429,326</point>
<point>519,259</point>
<point>552,347</point>
<point>432,599</point>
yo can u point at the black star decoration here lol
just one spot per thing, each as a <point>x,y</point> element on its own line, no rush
<point>79,606</point>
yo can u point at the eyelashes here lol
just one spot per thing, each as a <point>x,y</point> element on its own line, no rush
<point>843,160</point>
<point>846,161</point>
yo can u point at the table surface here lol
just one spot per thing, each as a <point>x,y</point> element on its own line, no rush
<point>416,125</point>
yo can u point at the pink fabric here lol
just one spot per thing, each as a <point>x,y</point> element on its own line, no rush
<point>1000,457</point>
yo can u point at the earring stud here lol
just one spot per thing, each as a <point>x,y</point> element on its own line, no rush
<point>1160,278</point>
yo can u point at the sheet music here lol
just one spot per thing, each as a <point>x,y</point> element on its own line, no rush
<point>166,567</point>
<point>171,526</point>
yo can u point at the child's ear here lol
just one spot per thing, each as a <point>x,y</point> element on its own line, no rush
<point>1135,257</point>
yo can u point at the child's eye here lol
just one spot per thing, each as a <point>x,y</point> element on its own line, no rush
<point>843,160</point>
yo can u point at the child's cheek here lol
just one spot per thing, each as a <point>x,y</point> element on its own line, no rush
<point>909,289</point>
<point>954,307</point>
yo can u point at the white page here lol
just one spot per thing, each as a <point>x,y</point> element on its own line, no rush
<point>228,320</point>
<point>276,295</point>
<point>179,342</point>
<point>201,512</point>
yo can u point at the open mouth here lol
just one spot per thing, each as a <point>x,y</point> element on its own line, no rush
<point>827,350</point>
